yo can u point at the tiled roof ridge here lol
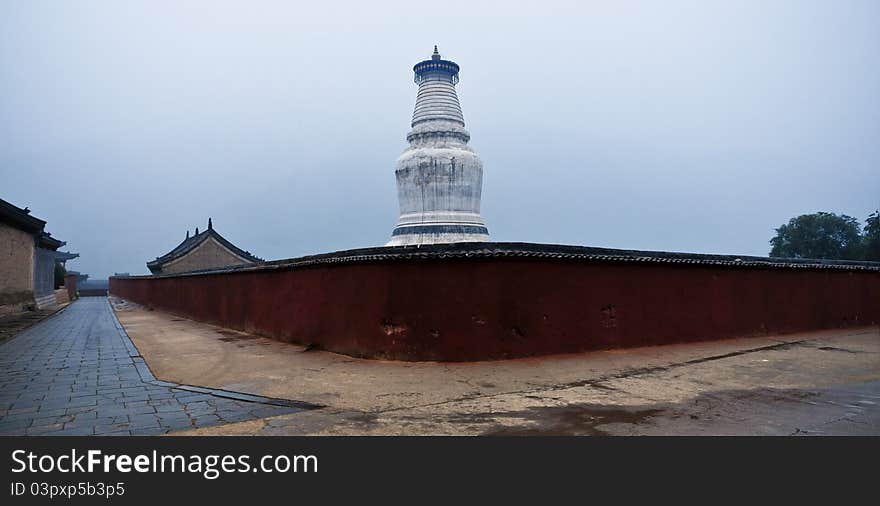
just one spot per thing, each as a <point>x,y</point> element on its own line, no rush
<point>191,242</point>
<point>543,251</point>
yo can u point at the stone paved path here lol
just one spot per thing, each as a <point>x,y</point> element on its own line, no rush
<point>13,324</point>
<point>77,373</point>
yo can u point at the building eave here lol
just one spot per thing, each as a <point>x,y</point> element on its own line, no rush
<point>46,241</point>
<point>20,218</point>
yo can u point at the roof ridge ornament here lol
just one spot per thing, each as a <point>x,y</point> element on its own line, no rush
<point>210,225</point>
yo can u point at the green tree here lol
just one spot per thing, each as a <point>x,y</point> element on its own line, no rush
<point>871,247</point>
<point>819,235</point>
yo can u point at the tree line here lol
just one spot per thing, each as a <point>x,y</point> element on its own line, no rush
<point>828,236</point>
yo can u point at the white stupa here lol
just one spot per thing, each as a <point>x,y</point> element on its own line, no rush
<point>439,177</point>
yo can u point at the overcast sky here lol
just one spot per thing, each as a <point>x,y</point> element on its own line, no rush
<point>675,125</point>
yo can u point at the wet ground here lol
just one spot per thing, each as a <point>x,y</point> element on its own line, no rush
<point>852,410</point>
<point>77,373</point>
<point>818,383</point>
<point>838,411</point>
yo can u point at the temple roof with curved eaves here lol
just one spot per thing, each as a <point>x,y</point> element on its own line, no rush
<point>191,242</point>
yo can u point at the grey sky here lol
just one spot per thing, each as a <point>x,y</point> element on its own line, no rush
<point>688,126</point>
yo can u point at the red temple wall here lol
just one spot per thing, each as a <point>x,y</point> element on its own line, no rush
<point>455,310</point>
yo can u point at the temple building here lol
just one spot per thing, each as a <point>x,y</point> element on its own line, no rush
<point>439,177</point>
<point>205,250</point>
<point>27,261</point>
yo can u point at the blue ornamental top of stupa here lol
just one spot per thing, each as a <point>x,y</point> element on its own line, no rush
<point>435,68</point>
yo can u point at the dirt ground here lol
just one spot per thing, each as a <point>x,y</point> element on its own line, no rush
<point>807,384</point>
